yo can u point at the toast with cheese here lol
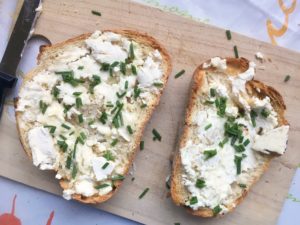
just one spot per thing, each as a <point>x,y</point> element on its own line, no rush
<point>234,127</point>
<point>82,111</point>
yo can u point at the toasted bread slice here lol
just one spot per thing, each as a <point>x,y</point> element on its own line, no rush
<point>82,111</point>
<point>198,184</point>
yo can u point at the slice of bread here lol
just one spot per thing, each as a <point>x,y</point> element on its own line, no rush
<point>82,111</point>
<point>206,179</point>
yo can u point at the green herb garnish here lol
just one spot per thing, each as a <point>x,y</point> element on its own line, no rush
<point>179,74</point>
<point>239,148</point>
<point>212,92</point>
<point>193,200</point>
<point>221,106</point>
<point>62,137</point>
<point>80,67</point>
<point>62,145</point>
<point>216,210</point>
<point>143,193</point>
<point>228,34</point>
<point>96,13</point>
<point>123,68</point>
<point>126,85</point>
<point>100,186</point>
<point>117,177</point>
<point>236,53</point>
<point>208,126</point>
<point>83,136</point>
<point>121,95</point>
<point>136,92</point>
<point>158,84</point>
<point>43,106</point>
<point>209,153</point>
<point>200,183</point>
<point>77,93</point>
<point>246,142</point>
<point>222,143</point>
<point>142,145</point>
<point>114,142</point>
<point>96,80</point>
<point>243,185</point>
<point>66,126</point>
<point>156,135</point>
<point>253,116</point>
<point>74,171</point>
<point>238,161</point>
<point>133,69</point>
<point>69,162</point>
<point>68,77</point>
<point>51,128</point>
<point>105,66</point>
<point>143,105</point>
<point>105,165</point>
<point>55,92</point>
<point>80,118</point>
<point>129,129</point>
<point>131,52</point>
<point>287,78</point>
<point>78,102</point>
<point>265,113</point>
<point>103,118</point>
<point>108,155</point>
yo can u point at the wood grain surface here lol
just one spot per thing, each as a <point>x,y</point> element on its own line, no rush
<point>189,44</point>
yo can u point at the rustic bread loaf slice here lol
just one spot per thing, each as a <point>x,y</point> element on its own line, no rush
<point>234,127</point>
<point>82,111</point>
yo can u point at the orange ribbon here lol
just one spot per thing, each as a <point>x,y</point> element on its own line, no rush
<point>272,31</point>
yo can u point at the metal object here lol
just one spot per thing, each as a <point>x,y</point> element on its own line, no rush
<point>14,49</point>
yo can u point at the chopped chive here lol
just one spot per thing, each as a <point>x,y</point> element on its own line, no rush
<point>200,183</point>
<point>129,129</point>
<point>71,133</point>
<point>208,126</point>
<point>55,92</point>
<point>105,165</point>
<point>253,116</point>
<point>238,161</point>
<point>136,92</point>
<point>80,118</point>
<point>83,136</point>
<point>109,104</point>
<point>246,142</point>
<point>66,126</point>
<point>91,122</point>
<point>221,106</point>
<point>80,140</point>
<point>193,200</point>
<point>118,177</point>
<point>43,106</point>
<point>67,108</point>
<point>179,74</point>
<point>80,67</point>
<point>144,193</point>
<point>62,145</point>
<point>207,102</point>
<point>243,185</point>
<point>51,128</point>
<point>209,153</point>
<point>78,102</point>
<point>287,78</point>
<point>222,143</point>
<point>133,69</point>
<point>158,84</point>
<point>62,137</point>
<point>121,95</point>
<point>239,148</point>
<point>123,68</point>
<point>105,66</point>
<point>108,156</point>
<point>100,186</point>
<point>114,142</point>
<point>126,84</point>
<point>95,81</point>
<point>96,13</point>
<point>265,113</point>
<point>103,118</point>
<point>131,52</point>
<point>74,171</point>
<point>216,210</point>
<point>142,145</point>
<point>143,105</point>
<point>228,34</point>
<point>236,53</point>
<point>156,135</point>
<point>68,77</point>
<point>212,92</point>
<point>77,93</point>
<point>69,162</point>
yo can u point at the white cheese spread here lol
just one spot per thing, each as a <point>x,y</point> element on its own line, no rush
<point>223,147</point>
<point>82,111</point>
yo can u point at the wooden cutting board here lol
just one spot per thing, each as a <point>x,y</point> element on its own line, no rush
<point>189,43</point>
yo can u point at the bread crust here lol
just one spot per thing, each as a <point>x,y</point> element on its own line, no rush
<point>48,52</point>
<point>234,67</point>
